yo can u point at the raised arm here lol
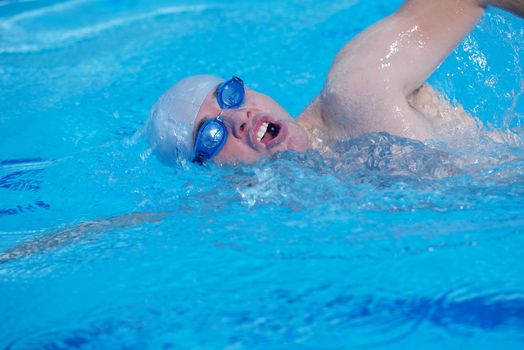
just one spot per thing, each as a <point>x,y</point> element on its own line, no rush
<point>372,75</point>
<point>402,50</point>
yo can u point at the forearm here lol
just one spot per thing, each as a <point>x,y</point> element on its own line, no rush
<point>514,6</point>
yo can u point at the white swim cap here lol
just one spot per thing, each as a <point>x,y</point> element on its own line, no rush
<point>172,119</point>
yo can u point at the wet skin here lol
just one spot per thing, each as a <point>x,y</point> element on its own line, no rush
<point>243,124</point>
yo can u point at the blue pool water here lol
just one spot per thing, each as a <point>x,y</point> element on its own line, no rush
<point>388,243</point>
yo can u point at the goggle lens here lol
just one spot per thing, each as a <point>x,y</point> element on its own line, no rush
<point>210,139</point>
<point>212,134</point>
<point>231,93</point>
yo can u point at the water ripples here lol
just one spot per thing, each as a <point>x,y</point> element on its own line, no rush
<point>296,318</point>
<point>13,33</point>
<point>376,242</point>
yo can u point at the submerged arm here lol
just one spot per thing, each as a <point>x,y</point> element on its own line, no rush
<point>84,231</point>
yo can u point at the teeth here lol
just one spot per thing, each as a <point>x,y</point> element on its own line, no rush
<point>262,131</point>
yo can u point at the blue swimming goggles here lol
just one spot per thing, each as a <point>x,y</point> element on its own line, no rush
<point>212,134</point>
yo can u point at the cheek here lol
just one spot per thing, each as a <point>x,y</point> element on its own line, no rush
<point>234,151</point>
<point>267,104</point>
<point>277,109</point>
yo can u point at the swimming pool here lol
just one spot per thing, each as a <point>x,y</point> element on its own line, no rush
<point>390,244</point>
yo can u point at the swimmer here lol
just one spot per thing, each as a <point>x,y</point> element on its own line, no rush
<point>375,84</point>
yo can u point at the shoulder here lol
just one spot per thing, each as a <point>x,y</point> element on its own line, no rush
<point>359,106</point>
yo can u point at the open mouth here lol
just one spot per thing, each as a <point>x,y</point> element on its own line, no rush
<point>267,132</point>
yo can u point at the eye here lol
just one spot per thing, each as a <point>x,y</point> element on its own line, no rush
<point>215,95</point>
<point>197,129</point>
<point>205,119</point>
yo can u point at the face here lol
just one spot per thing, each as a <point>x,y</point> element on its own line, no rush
<point>259,128</point>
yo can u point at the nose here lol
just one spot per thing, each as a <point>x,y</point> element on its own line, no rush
<point>239,121</point>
